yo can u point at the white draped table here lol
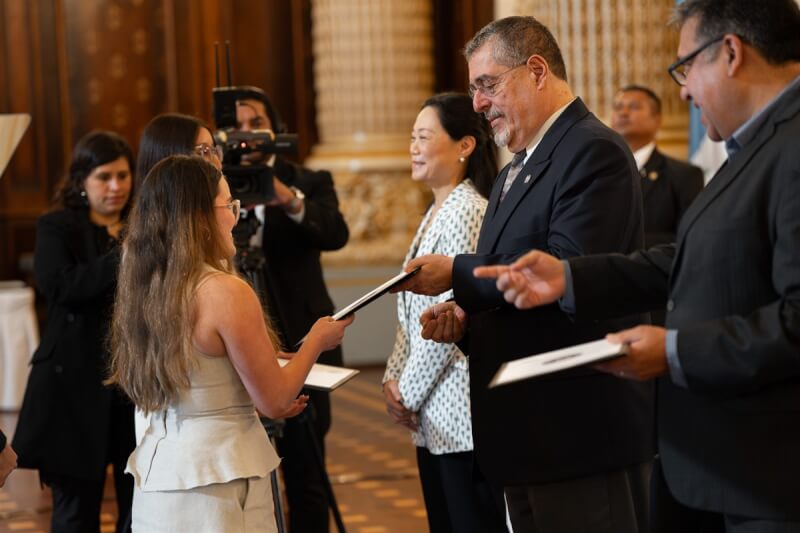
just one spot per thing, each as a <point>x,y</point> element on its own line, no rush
<point>19,337</point>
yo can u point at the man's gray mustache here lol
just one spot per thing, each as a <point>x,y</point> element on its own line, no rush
<point>491,115</point>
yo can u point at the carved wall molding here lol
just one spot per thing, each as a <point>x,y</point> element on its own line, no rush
<point>373,68</point>
<point>610,43</point>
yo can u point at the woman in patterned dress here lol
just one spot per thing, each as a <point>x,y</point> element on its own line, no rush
<point>426,384</point>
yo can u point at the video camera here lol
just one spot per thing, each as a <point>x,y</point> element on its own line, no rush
<point>250,181</point>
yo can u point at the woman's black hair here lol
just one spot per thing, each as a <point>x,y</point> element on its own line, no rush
<point>96,148</point>
<point>167,134</point>
<point>459,119</point>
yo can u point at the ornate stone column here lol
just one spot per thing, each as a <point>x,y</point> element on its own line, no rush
<point>610,43</point>
<point>373,68</point>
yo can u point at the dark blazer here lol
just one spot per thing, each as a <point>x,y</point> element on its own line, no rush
<point>296,290</point>
<point>65,420</point>
<point>668,188</point>
<point>578,193</point>
<point>729,442</point>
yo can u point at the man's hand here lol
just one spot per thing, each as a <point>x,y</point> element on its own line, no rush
<point>647,353</point>
<point>533,280</point>
<point>444,322</point>
<point>434,278</point>
<point>395,407</point>
<point>8,462</point>
<point>284,197</point>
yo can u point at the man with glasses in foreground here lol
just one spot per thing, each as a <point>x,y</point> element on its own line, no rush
<point>728,362</point>
<point>302,220</point>
<point>571,453</point>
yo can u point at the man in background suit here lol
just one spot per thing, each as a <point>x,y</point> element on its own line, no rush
<point>572,453</point>
<point>301,221</point>
<point>8,459</point>
<point>728,361</point>
<point>668,185</point>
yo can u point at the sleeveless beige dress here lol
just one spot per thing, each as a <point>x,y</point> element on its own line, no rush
<point>203,463</point>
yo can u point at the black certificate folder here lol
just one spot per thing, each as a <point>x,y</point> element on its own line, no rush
<point>370,297</point>
<point>557,360</point>
<point>374,294</point>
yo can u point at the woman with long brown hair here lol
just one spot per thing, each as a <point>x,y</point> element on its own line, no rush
<point>191,348</point>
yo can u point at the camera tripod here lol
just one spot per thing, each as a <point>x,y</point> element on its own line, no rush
<point>250,261</point>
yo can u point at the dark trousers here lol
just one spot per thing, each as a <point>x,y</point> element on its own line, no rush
<point>308,504</point>
<point>670,516</point>
<point>613,502</point>
<point>455,501</point>
<point>77,501</point>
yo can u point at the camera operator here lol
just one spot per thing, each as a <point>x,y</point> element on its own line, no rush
<point>302,220</point>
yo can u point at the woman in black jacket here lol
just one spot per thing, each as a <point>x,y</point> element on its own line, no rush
<point>71,426</point>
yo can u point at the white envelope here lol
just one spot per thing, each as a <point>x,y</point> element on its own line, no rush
<point>557,360</point>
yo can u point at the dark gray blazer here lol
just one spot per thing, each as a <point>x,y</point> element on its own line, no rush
<point>729,442</point>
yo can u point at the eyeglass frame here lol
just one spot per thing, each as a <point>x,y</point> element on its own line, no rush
<point>673,68</point>
<point>235,206</point>
<point>490,89</point>
<point>205,150</point>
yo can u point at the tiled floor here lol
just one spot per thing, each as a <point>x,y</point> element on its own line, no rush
<point>370,461</point>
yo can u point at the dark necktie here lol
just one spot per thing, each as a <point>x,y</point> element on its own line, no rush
<point>516,166</point>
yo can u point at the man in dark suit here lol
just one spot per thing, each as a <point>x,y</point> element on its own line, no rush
<point>571,453</point>
<point>728,361</point>
<point>302,220</point>
<point>8,459</point>
<point>668,185</point>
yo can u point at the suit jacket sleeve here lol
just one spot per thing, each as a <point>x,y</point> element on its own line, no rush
<point>61,274</point>
<point>397,360</point>
<point>323,224</point>
<point>581,222</point>
<point>615,285</point>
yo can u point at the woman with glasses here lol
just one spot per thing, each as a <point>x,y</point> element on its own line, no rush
<point>192,348</point>
<point>72,426</point>
<point>426,384</point>
<point>171,134</point>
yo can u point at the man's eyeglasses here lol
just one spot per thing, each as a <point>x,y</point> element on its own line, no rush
<point>235,206</point>
<point>489,84</point>
<point>679,70</point>
<point>207,151</point>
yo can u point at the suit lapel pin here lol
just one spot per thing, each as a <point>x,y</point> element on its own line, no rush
<point>527,178</point>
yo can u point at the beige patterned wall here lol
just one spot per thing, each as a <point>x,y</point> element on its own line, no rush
<point>373,67</point>
<point>610,43</point>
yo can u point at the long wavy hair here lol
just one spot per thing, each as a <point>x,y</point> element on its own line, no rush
<point>95,149</point>
<point>459,119</point>
<point>173,240</point>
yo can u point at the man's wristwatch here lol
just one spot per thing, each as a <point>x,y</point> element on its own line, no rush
<point>297,202</point>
